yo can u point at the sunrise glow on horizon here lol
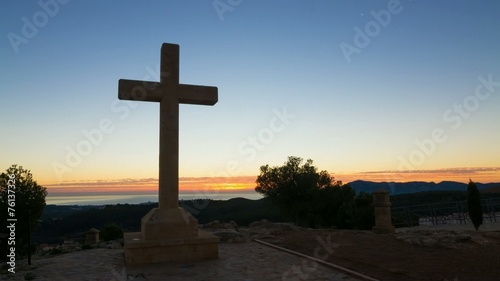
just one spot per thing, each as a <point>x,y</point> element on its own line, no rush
<point>204,186</point>
<point>380,90</point>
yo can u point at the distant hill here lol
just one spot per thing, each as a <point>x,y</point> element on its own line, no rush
<point>495,189</point>
<point>397,188</point>
<point>60,222</point>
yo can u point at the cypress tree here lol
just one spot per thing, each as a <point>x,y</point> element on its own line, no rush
<point>474,204</point>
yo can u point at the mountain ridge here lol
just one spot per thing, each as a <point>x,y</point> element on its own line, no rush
<point>396,188</point>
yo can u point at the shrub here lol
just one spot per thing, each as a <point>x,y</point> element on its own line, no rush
<point>474,204</point>
<point>111,232</point>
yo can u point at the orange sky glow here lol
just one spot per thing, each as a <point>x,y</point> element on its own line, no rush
<point>213,185</point>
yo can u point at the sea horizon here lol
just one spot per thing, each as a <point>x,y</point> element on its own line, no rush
<point>112,199</point>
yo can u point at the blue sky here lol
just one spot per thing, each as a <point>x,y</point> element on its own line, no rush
<point>363,112</point>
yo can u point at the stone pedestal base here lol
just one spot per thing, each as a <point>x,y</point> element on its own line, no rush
<point>162,224</point>
<point>141,251</point>
<point>169,235</point>
<point>382,205</point>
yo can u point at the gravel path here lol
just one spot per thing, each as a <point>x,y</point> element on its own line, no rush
<point>245,261</point>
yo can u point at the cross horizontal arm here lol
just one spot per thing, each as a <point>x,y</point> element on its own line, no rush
<point>139,90</point>
<point>192,94</point>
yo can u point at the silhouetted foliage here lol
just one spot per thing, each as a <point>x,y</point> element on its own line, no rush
<point>334,206</point>
<point>474,204</point>
<point>111,232</point>
<point>242,211</point>
<point>428,197</point>
<point>62,222</point>
<point>25,196</point>
<point>364,214</point>
<point>308,197</point>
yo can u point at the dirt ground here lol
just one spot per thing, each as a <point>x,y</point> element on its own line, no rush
<point>402,256</point>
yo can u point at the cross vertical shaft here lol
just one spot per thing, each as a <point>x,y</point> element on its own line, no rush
<point>168,193</point>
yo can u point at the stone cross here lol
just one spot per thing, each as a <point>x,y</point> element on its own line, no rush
<point>169,93</point>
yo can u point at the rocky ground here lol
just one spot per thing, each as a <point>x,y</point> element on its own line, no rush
<point>249,261</point>
<point>418,253</point>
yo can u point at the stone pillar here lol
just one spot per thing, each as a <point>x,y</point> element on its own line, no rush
<point>382,205</point>
<point>92,236</point>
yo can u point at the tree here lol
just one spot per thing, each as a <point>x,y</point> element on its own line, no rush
<point>305,195</point>
<point>20,198</point>
<point>364,214</point>
<point>111,232</point>
<point>334,205</point>
<point>474,204</point>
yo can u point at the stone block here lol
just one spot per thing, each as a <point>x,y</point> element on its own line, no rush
<point>142,251</point>
<point>168,224</point>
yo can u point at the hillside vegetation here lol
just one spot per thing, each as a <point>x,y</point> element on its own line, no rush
<point>60,222</point>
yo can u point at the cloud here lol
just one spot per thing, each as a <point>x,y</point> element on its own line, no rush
<point>126,181</point>
<point>461,174</point>
<point>213,185</point>
<point>456,171</point>
<point>132,186</point>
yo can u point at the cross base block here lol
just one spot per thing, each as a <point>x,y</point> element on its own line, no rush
<point>141,251</point>
<point>173,223</point>
<point>169,235</point>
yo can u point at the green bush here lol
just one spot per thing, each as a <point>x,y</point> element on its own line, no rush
<point>364,214</point>
<point>111,232</point>
<point>306,195</point>
<point>474,204</point>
